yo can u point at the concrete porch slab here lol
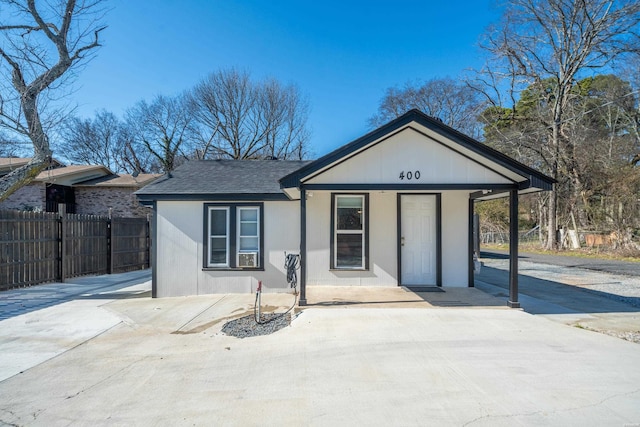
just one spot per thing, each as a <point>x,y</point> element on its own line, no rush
<point>399,297</point>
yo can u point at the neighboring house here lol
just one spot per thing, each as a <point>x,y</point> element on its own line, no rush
<point>113,194</point>
<point>392,208</point>
<point>84,189</point>
<point>8,164</point>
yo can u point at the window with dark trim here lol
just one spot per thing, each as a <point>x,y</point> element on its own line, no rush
<point>233,236</point>
<point>350,231</point>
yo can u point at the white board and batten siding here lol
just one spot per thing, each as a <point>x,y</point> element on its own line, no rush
<point>455,239</point>
<point>383,241</point>
<point>180,257</point>
<point>408,151</point>
<point>180,224</point>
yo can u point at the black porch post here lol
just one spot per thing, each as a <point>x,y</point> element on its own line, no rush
<point>513,249</point>
<point>471,279</point>
<point>303,247</point>
<point>154,250</point>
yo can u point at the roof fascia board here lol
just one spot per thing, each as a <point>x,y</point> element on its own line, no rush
<point>485,151</point>
<point>293,179</point>
<point>408,187</point>
<point>149,197</point>
<point>354,146</point>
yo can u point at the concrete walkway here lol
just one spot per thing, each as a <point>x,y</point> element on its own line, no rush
<point>467,361</point>
<point>42,322</point>
<point>20,301</point>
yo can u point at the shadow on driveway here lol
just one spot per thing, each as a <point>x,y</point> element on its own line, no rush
<point>560,298</point>
<point>16,302</point>
<point>627,268</point>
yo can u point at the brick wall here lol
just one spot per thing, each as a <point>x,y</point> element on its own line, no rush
<point>28,198</point>
<point>98,200</point>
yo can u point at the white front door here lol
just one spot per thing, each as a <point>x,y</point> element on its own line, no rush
<point>418,249</point>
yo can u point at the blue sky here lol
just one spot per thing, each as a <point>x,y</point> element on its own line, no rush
<point>342,54</point>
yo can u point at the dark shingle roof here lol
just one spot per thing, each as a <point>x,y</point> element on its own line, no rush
<point>216,179</point>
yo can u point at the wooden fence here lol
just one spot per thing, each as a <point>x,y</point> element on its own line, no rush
<point>38,247</point>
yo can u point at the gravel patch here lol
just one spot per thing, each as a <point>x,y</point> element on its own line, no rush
<point>246,327</point>
<point>633,336</point>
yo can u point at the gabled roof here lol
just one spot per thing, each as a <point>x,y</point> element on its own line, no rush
<point>8,164</point>
<point>122,180</point>
<point>73,174</point>
<point>526,177</point>
<point>14,162</point>
<point>222,179</point>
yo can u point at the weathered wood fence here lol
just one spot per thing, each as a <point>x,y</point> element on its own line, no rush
<point>39,247</point>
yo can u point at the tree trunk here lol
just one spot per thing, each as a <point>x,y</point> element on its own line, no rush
<point>22,176</point>
<point>41,151</point>
<point>552,241</point>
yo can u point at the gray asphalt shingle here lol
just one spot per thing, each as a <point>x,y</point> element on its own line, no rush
<point>223,177</point>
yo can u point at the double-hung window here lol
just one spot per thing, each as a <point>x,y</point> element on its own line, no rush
<point>218,236</point>
<point>233,236</point>
<point>248,229</point>
<point>349,239</point>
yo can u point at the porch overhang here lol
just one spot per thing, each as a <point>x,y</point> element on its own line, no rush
<point>446,161</point>
<point>422,127</point>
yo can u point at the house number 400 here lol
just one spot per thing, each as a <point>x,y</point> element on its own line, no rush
<point>409,175</point>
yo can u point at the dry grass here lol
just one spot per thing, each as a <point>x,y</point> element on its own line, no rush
<point>630,254</point>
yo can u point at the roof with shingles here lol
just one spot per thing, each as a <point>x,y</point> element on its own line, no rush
<point>198,179</point>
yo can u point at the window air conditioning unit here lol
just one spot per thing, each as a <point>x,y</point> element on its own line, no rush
<point>248,259</point>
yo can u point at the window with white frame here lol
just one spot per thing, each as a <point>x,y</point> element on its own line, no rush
<point>350,229</point>
<point>248,230</point>
<point>218,237</point>
<point>233,236</point>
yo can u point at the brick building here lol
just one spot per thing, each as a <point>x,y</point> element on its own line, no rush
<point>84,189</point>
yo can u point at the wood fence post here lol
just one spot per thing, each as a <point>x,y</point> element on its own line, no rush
<point>110,245</point>
<point>62,212</point>
<point>148,242</point>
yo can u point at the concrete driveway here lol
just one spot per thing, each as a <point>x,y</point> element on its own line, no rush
<point>602,301</point>
<point>165,362</point>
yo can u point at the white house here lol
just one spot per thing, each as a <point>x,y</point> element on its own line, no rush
<point>392,208</point>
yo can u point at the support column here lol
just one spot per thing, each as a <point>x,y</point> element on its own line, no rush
<point>471,267</point>
<point>303,247</point>
<point>513,249</point>
<point>154,250</point>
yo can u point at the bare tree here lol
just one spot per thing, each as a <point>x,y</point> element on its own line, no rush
<point>164,128</point>
<point>96,141</point>
<point>285,113</point>
<point>455,103</point>
<point>9,147</point>
<point>558,40</point>
<point>41,45</point>
<point>241,119</point>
